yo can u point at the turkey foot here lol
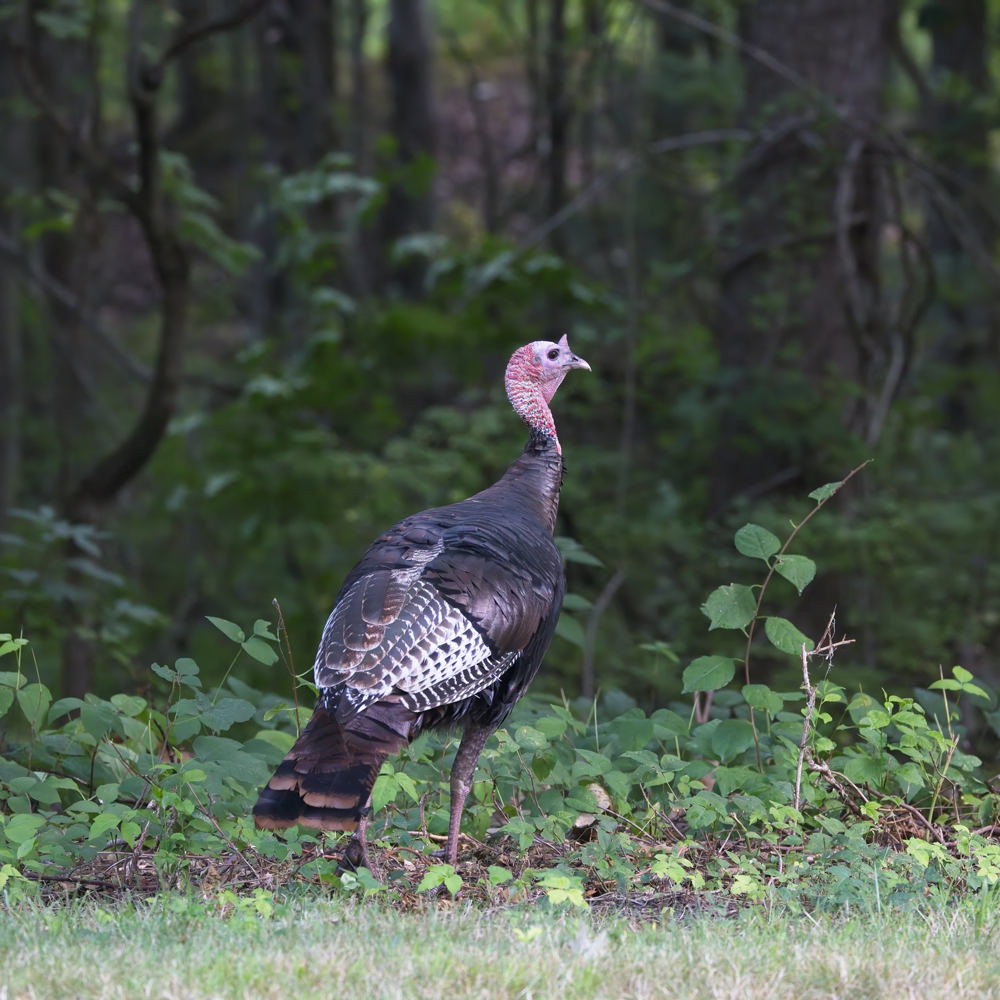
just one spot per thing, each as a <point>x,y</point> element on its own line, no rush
<point>355,855</point>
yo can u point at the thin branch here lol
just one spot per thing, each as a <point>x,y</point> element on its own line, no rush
<point>213,26</point>
<point>58,291</point>
<point>747,48</point>
<point>625,163</point>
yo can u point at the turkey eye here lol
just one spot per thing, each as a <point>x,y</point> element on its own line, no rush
<point>553,354</point>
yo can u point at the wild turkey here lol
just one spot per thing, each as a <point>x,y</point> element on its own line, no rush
<point>443,623</point>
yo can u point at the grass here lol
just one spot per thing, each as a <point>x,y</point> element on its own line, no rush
<point>330,949</point>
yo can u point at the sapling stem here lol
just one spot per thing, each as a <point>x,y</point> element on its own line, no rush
<point>796,528</point>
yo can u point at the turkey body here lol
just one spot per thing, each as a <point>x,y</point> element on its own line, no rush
<point>442,624</point>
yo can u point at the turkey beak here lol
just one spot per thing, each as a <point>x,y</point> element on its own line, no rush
<point>575,362</point>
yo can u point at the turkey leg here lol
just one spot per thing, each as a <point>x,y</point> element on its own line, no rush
<point>356,853</point>
<point>473,740</point>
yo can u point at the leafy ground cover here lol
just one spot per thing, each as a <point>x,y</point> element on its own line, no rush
<point>180,948</point>
<point>817,799</point>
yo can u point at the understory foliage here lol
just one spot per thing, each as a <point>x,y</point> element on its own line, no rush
<point>815,797</point>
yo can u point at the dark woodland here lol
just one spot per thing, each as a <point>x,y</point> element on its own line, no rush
<point>262,265</point>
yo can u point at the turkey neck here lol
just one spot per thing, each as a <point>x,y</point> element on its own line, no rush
<point>534,480</point>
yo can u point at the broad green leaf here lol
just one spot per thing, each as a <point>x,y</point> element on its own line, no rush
<point>128,704</point>
<point>576,602</point>
<point>228,629</point>
<point>406,783</point>
<point>550,726</point>
<point>260,650</point>
<point>102,824</point>
<point>786,637</point>
<point>61,707</point>
<point>797,570</point>
<point>708,673</point>
<point>22,827</point>
<point>6,700</point>
<point>166,673</point>
<point>232,760</point>
<point>225,712</point>
<point>531,739</point>
<point>34,700</point>
<point>730,607</point>
<point>263,629</point>
<point>761,698</point>
<point>909,773</point>
<point>188,671</point>
<point>498,875</point>
<point>277,738</point>
<point>861,770</point>
<point>9,645</point>
<point>825,492</point>
<point>45,792</point>
<point>756,542</point>
<point>731,738</point>
<point>384,791</point>
<point>571,630</point>
<point>961,674</point>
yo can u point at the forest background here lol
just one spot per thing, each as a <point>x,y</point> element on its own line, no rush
<point>262,264</point>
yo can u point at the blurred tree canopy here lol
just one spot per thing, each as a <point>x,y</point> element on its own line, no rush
<point>262,264</point>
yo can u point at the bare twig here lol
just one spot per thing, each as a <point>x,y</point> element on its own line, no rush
<point>290,666</point>
<point>213,26</point>
<point>806,724</point>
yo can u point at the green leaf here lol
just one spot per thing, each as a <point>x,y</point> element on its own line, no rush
<point>384,791</point>
<point>576,602</point>
<point>731,738</point>
<point>797,570</point>
<point>277,738</point>
<point>572,551</point>
<point>102,824</point>
<point>825,492</point>
<point>34,700</point>
<point>498,875</point>
<point>708,673</point>
<point>225,712</point>
<point>861,770</point>
<point>730,607</point>
<point>550,726</point>
<point>756,542</point>
<point>263,629</point>
<point>6,700</point>
<point>961,674</point>
<point>762,699</point>
<point>9,645</point>
<point>408,786</point>
<point>260,650</point>
<point>786,637</point>
<point>228,629</point>
<point>531,739</point>
<point>571,630</point>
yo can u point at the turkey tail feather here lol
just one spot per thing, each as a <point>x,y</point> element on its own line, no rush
<point>325,782</point>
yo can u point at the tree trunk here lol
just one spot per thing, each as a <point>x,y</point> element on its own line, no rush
<point>297,94</point>
<point>410,202</point>
<point>559,109</point>
<point>961,124</point>
<point>784,306</point>
<point>299,75</point>
<point>11,389</point>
